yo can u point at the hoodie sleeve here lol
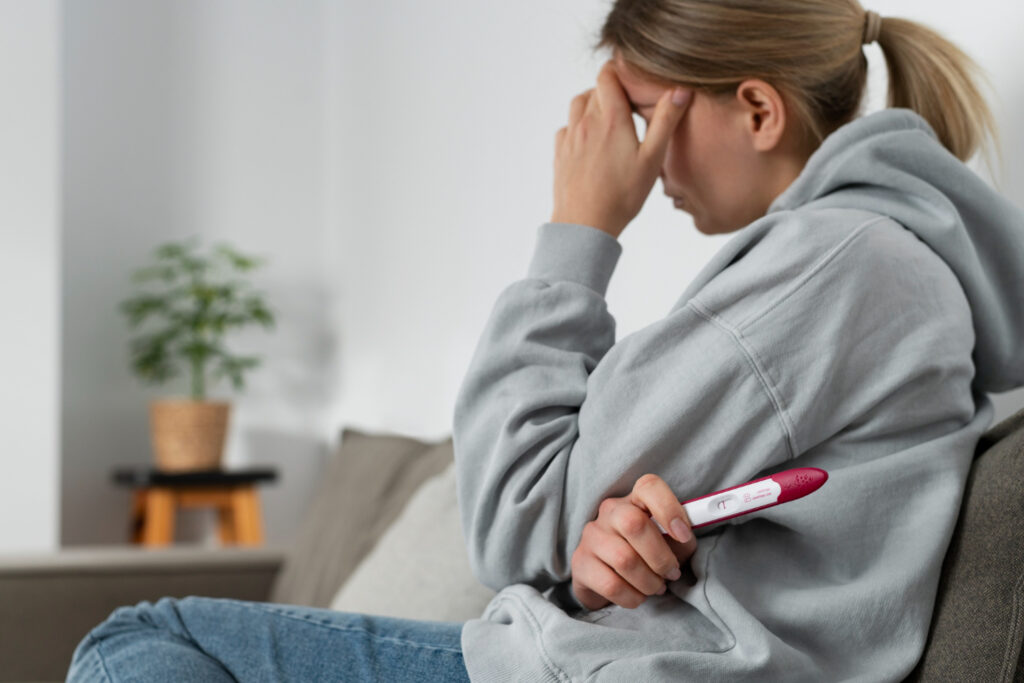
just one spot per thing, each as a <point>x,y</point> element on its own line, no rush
<point>553,415</point>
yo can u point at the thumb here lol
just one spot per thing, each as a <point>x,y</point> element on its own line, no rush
<point>669,110</point>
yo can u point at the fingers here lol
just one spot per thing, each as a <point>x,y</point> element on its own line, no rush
<point>683,553</point>
<point>612,569</point>
<point>667,115</point>
<point>610,94</point>
<point>578,106</point>
<point>652,493</point>
<point>642,536</point>
<point>628,563</point>
<point>623,557</point>
<point>596,584</point>
<point>607,95</point>
<point>587,597</point>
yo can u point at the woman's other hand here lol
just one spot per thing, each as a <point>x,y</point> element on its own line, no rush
<point>622,556</point>
<point>603,174</point>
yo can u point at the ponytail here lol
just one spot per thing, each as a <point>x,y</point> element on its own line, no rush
<point>935,78</point>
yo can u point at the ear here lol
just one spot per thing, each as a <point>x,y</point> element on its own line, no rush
<point>764,113</point>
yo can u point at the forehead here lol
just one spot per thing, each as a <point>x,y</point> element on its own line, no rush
<point>640,89</point>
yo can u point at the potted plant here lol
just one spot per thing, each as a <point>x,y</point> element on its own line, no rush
<point>197,304</point>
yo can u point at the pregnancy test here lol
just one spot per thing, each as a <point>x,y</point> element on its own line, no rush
<point>758,494</point>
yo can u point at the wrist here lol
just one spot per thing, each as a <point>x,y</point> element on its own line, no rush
<point>590,223</point>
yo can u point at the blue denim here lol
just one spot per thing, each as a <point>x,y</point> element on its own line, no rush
<point>219,639</point>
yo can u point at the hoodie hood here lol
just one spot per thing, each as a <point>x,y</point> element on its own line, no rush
<point>892,163</point>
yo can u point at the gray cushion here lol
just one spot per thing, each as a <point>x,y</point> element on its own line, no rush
<point>439,585</point>
<point>364,487</point>
<point>978,624</point>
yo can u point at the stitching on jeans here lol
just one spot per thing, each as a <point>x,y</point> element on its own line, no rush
<point>191,641</point>
<point>189,638</point>
<point>336,627</point>
<point>99,655</point>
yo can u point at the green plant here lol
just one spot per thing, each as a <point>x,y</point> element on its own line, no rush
<point>197,306</point>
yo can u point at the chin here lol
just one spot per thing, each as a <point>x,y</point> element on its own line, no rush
<point>703,227</point>
<point>697,222</point>
<point>714,228</point>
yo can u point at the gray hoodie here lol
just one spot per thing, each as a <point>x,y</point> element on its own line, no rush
<point>855,327</point>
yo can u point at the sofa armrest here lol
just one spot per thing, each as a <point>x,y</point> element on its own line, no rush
<point>51,600</point>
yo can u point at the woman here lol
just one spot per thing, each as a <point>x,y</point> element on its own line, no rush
<point>854,323</point>
<point>870,298</point>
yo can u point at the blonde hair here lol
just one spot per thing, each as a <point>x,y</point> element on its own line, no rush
<point>810,51</point>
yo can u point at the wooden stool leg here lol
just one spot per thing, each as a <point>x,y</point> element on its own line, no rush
<point>226,524</point>
<point>138,516</point>
<point>159,526</point>
<point>248,521</point>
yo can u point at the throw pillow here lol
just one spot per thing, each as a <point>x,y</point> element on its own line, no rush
<point>419,568</point>
<point>365,486</point>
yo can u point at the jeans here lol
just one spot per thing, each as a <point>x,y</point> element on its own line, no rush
<point>219,639</point>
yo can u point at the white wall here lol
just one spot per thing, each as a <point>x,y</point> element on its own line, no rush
<point>208,118</point>
<point>451,111</point>
<point>392,159</point>
<point>29,274</point>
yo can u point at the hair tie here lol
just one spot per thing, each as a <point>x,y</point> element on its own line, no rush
<point>872,26</point>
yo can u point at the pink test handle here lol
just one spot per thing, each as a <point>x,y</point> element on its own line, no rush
<point>795,483</point>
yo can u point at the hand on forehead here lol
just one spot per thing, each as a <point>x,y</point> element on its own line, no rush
<point>610,92</point>
<point>639,90</point>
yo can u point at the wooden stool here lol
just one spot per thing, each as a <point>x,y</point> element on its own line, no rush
<point>158,495</point>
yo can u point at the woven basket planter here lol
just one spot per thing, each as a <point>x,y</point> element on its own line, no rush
<point>187,434</point>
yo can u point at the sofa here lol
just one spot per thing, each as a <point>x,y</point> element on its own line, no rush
<point>381,535</point>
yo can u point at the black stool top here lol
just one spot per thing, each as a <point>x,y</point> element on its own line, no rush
<point>143,475</point>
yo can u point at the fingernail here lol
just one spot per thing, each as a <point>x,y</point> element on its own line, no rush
<point>674,574</point>
<point>680,530</point>
<point>679,97</point>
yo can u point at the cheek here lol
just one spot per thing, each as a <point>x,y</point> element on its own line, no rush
<point>677,163</point>
<point>716,169</point>
<point>689,162</point>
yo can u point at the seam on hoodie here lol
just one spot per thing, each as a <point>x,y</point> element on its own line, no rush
<point>752,359</point>
<point>534,625</point>
<point>707,598</point>
<point>1012,651</point>
<point>807,276</point>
